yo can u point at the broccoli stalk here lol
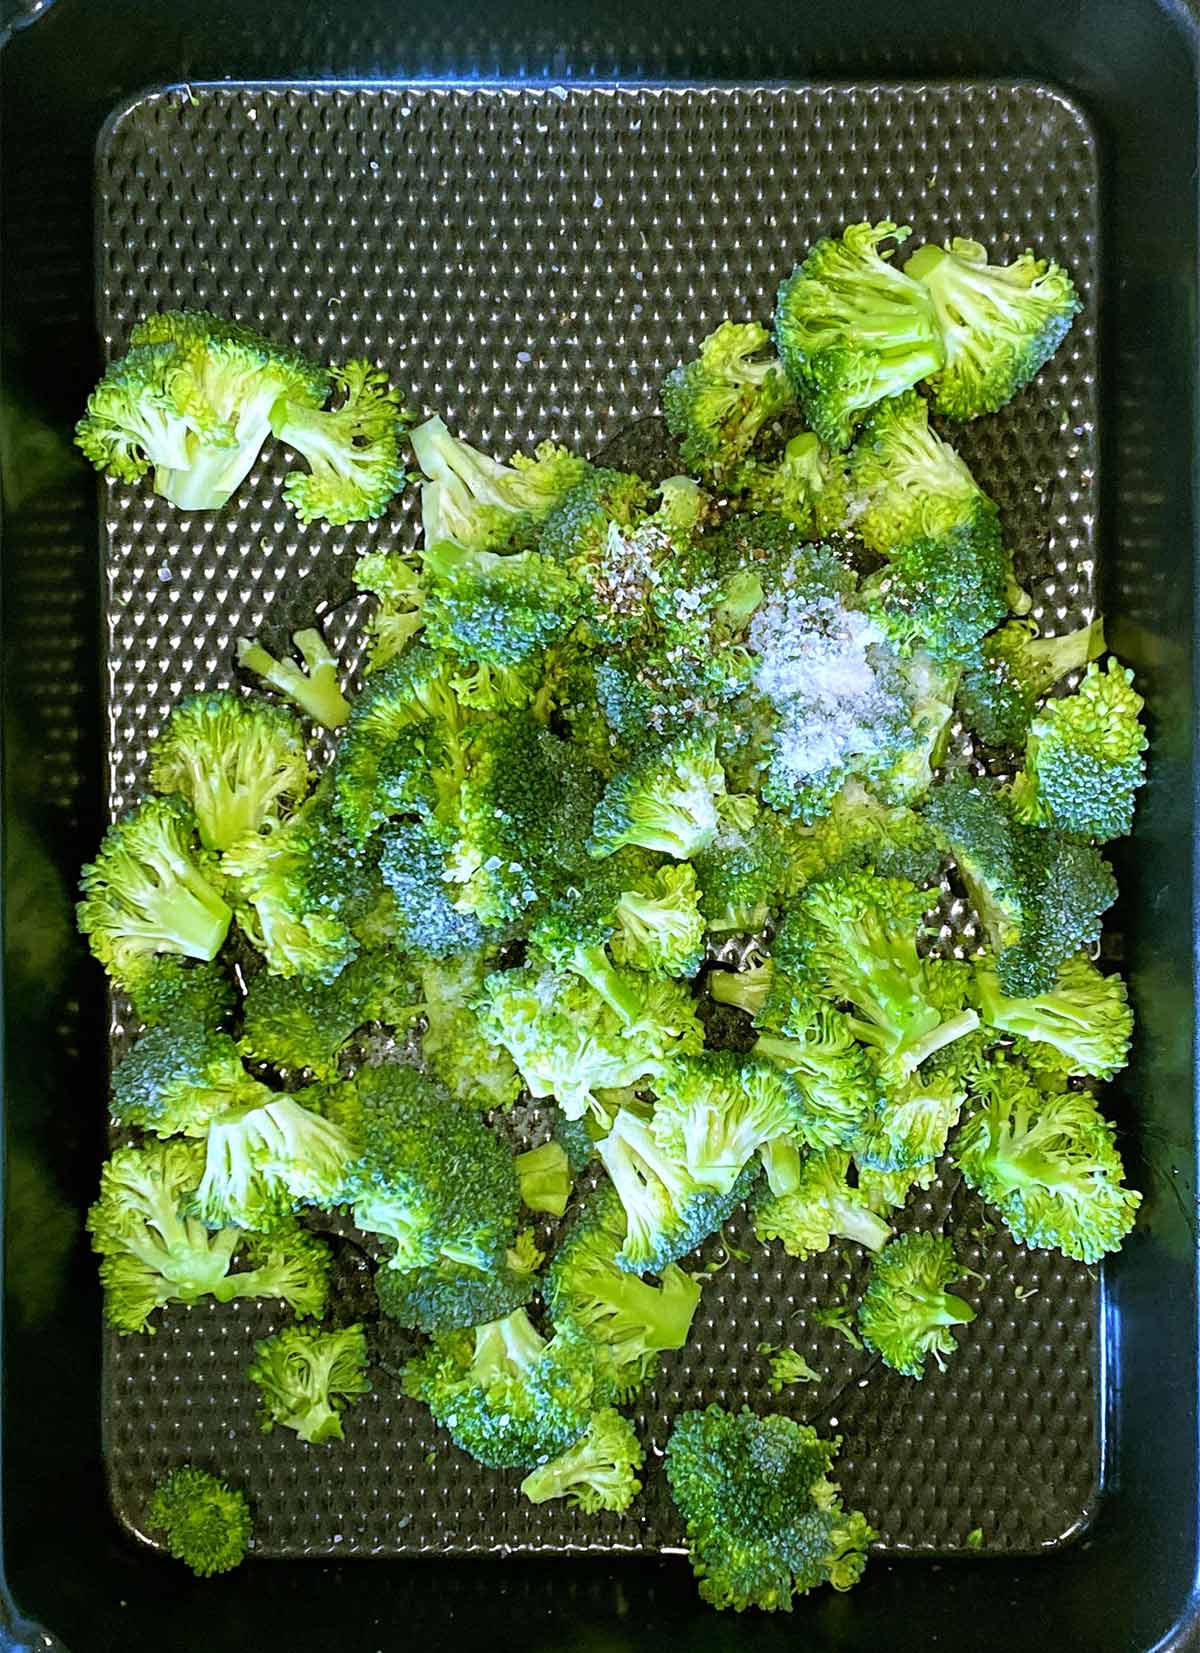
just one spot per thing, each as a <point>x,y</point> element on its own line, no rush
<point>263,1162</point>
<point>353,450</point>
<point>545,1178</point>
<point>206,1523</point>
<point>313,687</point>
<point>598,1473</point>
<point>306,1377</point>
<point>906,1312</point>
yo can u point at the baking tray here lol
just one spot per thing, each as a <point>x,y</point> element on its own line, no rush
<point>1128,1582</point>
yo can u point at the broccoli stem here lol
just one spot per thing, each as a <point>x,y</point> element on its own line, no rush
<point>316,692</point>
<point>592,963</point>
<point>744,989</point>
<point>856,1222</point>
<point>916,1050</point>
<point>781,1161</point>
<point>214,476</point>
<point>193,916</point>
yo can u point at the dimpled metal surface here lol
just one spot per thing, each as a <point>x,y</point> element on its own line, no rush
<point>529,262</point>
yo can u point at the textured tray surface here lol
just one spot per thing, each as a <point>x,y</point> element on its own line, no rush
<point>529,262</point>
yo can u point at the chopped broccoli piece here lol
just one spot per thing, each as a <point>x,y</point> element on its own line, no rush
<point>907,1127</point>
<point>665,800</point>
<point>545,1178</point>
<point>1085,1016</point>
<point>859,831</point>
<point>473,1067</point>
<point>1048,1162</point>
<point>716,1109</point>
<point>353,450</point>
<point>807,488</point>
<point>169,989</point>
<point>483,505</point>
<point>264,1162</point>
<point>575,1138</point>
<point>886,1191</point>
<point>598,1473</point>
<point>207,1523</point>
<point>306,1377</point>
<point>764,1522</point>
<point>822,1207</point>
<point>399,617</point>
<point>998,324</point>
<point>313,687</point>
<point>148,892</point>
<point>660,928</point>
<point>852,329</point>
<point>576,532</point>
<point>906,1311</point>
<point>450,1296</point>
<point>303,1025</point>
<point>752,865</point>
<point>1083,758</point>
<point>573,928</point>
<point>718,404</point>
<point>500,610</point>
<point>179,1077</point>
<point>1001,687</point>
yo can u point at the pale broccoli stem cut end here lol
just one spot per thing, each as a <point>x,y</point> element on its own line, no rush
<point>314,688</point>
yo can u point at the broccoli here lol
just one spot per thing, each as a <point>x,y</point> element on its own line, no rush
<point>313,687</point>
<point>787,1366</point>
<point>431,1176</point>
<point>509,1397</point>
<point>265,1161</point>
<point>192,399</point>
<point>716,1109</point>
<point>860,831</point>
<point>906,1311</point>
<point>886,1191</point>
<point>575,1137</point>
<point>665,800</point>
<point>852,329</point>
<point>1083,758</point>
<point>545,1178</point>
<point>574,926</point>
<point>306,1377</point>
<point>450,1296</point>
<point>718,404</point>
<point>303,1025</point>
<point>396,621</point>
<point>240,765</point>
<point>757,986</point>
<point>659,925</point>
<point>155,1253</point>
<point>998,324</point>
<point>1048,1162</point>
<point>764,1522</point>
<point>150,891</point>
<point>941,594</point>
<point>752,865</point>
<point>819,1209</point>
<point>207,1523</point>
<point>807,488</point>
<point>1001,686</point>
<point>570,1044</point>
<point>499,610</point>
<point>684,509</point>
<point>1039,896</point>
<point>576,532</point>
<point>667,1211</point>
<point>1085,1017</point>
<point>782,1159</point>
<point>906,1127</point>
<point>179,1077</point>
<point>168,988</point>
<point>598,1473</point>
<point>929,687</point>
<point>474,1068</point>
<point>632,1320</point>
<point>480,504</point>
<point>353,450</point>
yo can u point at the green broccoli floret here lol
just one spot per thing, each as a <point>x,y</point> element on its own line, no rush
<point>148,891</point>
<point>431,1176</point>
<point>313,687</point>
<point>578,1138</point>
<point>207,1523</point>
<point>660,928</point>
<point>480,504</point>
<point>1001,687</point>
<point>752,865</point>
<point>264,1162</point>
<point>451,1296</point>
<point>821,1208</point>
<point>353,449</point>
<point>1085,1016</point>
<point>141,416</point>
<point>1083,758</point>
<point>598,1473</point>
<point>852,329</point>
<point>179,1077</point>
<point>907,1126</point>
<point>887,1191</point>
<point>717,1108</point>
<point>168,988</point>
<point>632,1320</point>
<point>929,686</point>
<point>570,1044</point>
<point>788,1366</point>
<point>807,487</point>
<point>665,800</point>
<point>306,1376</point>
<point>155,1253</point>
<point>500,610</point>
<point>399,617</point>
<point>508,1396</point>
<point>667,1212</point>
<point>574,927</point>
<point>302,1025</point>
<point>718,404</point>
<point>239,764</point>
<point>860,831</point>
<point>1048,1161</point>
<point>998,324</point>
<point>833,1071</point>
<point>764,1522</point>
<point>1040,897</point>
<point>575,534</point>
<point>906,1311</point>
<point>474,1068</point>
<point>545,1178</point>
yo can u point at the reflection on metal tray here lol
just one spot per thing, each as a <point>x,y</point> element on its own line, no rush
<point>529,262</point>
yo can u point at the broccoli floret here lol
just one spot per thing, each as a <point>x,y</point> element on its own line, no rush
<point>718,404</point>
<point>788,1366</point>
<point>575,926</point>
<point>667,1212</point>
<point>1000,688</point>
<point>483,505</point>
<point>306,1377</point>
<point>887,1191</point>
<point>474,1068</point>
<point>139,417</point>
<point>598,1473</point>
<point>264,1162</point>
<point>303,1025</point>
<point>906,1311</point>
<point>822,1207</point>
<point>545,1178</point>
<point>998,324</point>
<point>239,764</point>
<point>782,1159</point>
<point>179,1077</point>
<point>148,892</point>
<point>570,1044</point>
<point>313,687</point>
<point>575,534</point>
<point>576,1139</point>
<point>852,329</point>
<point>399,617</point>
<point>1085,1016</point>
<point>453,1296</point>
<point>169,989</point>
<point>929,686</point>
<point>660,928</point>
<point>807,488</point>
<point>942,594</point>
<point>353,450</point>
<point>859,831</point>
<point>907,1126</point>
<point>752,865</point>
<point>431,1175</point>
<point>500,610</point>
<point>764,1522</point>
<point>665,800</point>
<point>1048,1162</point>
<point>1083,758</point>
<point>207,1524</point>
<point>508,1396</point>
<point>832,1069</point>
<point>717,1108</point>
